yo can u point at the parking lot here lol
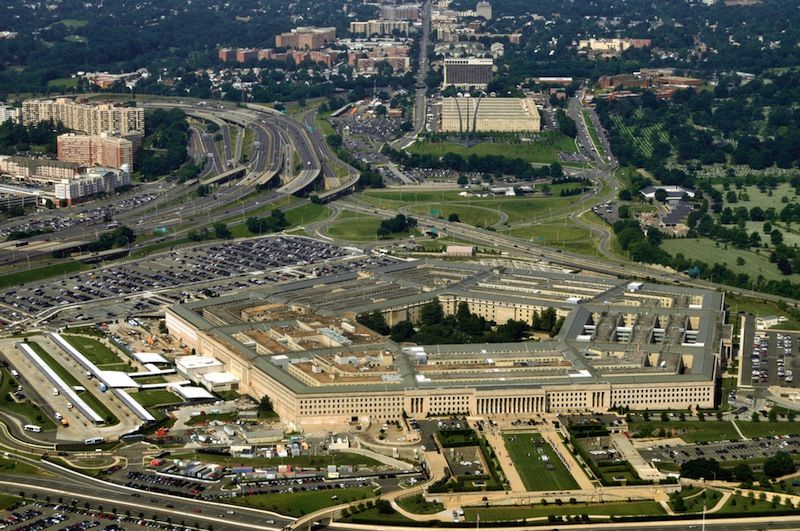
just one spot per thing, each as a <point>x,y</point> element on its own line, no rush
<point>56,221</point>
<point>722,451</point>
<point>74,517</point>
<point>770,358</point>
<point>254,258</point>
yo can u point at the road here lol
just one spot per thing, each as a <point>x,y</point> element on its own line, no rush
<point>420,98</point>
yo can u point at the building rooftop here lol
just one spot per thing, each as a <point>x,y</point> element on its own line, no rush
<point>614,330</point>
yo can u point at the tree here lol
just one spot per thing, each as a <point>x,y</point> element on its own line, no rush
<point>743,472</point>
<point>453,217</point>
<point>222,231</point>
<point>776,237</point>
<point>265,406</point>
<point>778,465</point>
<point>431,313</point>
<point>402,331</point>
<point>661,195</point>
<point>773,415</point>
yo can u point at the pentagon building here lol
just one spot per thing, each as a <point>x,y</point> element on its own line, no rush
<point>622,344</point>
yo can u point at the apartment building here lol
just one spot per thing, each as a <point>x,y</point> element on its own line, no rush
<point>84,117</point>
<point>39,171</point>
<point>380,27</point>
<point>107,150</point>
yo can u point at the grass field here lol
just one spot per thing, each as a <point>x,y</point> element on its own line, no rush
<point>737,303</point>
<point>41,273</point>
<point>308,213</point>
<point>744,504</point>
<point>689,431</point>
<point>26,409</point>
<point>567,237</point>
<point>707,250</point>
<point>301,503</point>
<point>767,429</point>
<point>543,151</point>
<point>97,352</point>
<point>63,82</point>
<point>339,458</point>
<point>156,397</point>
<point>643,138</point>
<point>418,505</point>
<point>18,468</point>
<point>527,451</point>
<point>517,512</point>
<point>356,227</point>
<point>471,215</point>
<point>518,209</point>
<point>6,501</point>
<point>89,397</point>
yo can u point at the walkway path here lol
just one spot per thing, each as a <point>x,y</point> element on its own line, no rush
<point>549,434</point>
<point>496,441</point>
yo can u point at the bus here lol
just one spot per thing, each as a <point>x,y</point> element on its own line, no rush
<point>94,440</point>
<point>32,427</point>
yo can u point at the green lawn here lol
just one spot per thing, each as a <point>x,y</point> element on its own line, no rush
<point>418,505</point>
<point>566,237</point>
<point>26,409</point>
<point>709,252</point>
<point>6,501</point>
<point>738,303</point>
<point>689,431</point>
<point>544,151</point>
<point>765,428</point>
<point>97,352</point>
<point>471,215</point>
<point>18,468</point>
<point>305,214</point>
<point>301,503</point>
<point>337,458</point>
<point>744,504</point>
<point>41,273</point>
<point>516,512</point>
<point>64,82</point>
<point>373,516</point>
<point>156,397</point>
<point>527,451</point>
<point>89,397</point>
<point>358,227</point>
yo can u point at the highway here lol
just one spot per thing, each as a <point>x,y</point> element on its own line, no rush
<point>421,100</point>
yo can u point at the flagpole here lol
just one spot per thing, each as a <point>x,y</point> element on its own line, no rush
<point>704,517</point>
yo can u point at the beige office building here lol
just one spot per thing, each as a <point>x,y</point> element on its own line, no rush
<point>621,344</point>
<point>484,114</point>
<point>86,118</point>
<point>306,38</point>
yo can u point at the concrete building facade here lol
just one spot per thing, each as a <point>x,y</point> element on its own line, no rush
<point>621,344</point>
<point>462,115</point>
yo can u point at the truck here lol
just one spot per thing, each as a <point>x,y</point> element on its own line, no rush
<point>64,423</point>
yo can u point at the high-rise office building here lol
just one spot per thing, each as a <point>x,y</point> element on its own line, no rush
<point>465,73</point>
